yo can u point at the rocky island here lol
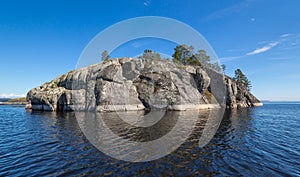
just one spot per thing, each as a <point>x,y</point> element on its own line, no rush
<point>125,84</point>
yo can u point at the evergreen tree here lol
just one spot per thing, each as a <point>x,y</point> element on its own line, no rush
<point>215,66</point>
<point>105,56</point>
<point>149,55</point>
<point>177,54</point>
<point>185,55</point>
<point>181,54</point>
<point>242,79</point>
<point>204,58</point>
<point>223,68</point>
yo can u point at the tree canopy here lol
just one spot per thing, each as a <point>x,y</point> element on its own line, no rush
<point>242,79</point>
<point>105,56</point>
<point>223,67</point>
<point>149,54</point>
<point>186,55</point>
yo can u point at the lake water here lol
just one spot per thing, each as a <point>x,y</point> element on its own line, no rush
<point>263,141</point>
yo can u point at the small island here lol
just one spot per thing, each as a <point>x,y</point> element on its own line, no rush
<point>189,81</point>
<point>14,101</point>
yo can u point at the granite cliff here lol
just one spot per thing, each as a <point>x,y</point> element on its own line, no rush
<point>134,84</point>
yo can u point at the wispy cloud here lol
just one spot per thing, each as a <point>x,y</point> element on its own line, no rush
<point>11,95</point>
<point>263,49</point>
<point>286,41</point>
<point>285,35</point>
<point>238,7</point>
<point>146,3</point>
<point>226,59</point>
<point>235,50</point>
<point>252,19</point>
<point>281,58</point>
<point>137,44</point>
<point>290,41</point>
<point>254,52</point>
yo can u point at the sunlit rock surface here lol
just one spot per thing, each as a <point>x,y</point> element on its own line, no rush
<point>127,84</point>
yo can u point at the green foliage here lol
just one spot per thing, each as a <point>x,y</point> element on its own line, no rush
<point>209,96</point>
<point>242,79</point>
<point>105,56</point>
<point>223,67</point>
<point>150,55</point>
<point>177,55</point>
<point>208,93</point>
<point>215,66</point>
<point>186,55</point>
<point>147,51</point>
<point>204,58</point>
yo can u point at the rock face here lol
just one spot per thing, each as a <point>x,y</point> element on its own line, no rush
<point>238,96</point>
<point>135,84</point>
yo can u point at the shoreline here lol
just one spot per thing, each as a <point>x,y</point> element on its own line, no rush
<point>17,103</point>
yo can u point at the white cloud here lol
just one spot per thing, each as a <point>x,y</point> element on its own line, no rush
<point>11,95</point>
<point>234,9</point>
<point>263,49</point>
<point>254,52</point>
<point>294,43</point>
<point>285,35</point>
<point>226,59</point>
<point>280,58</point>
<point>137,44</point>
<point>146,3</point>
<point>287,41</point>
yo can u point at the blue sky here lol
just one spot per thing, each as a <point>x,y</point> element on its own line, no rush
<point>40,40</point>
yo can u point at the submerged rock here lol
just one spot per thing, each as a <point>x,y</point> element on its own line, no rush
<point>135,84</point>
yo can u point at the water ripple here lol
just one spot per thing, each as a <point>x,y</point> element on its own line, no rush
<point>261,141</point>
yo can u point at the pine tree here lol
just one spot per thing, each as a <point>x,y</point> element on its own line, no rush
<point>177,54</point>
<point>242,79</point>
<point>223,68</point>
<point>150,55</point>
<point>185,55</point>
<point>105,55</point>
<point>204,58</point>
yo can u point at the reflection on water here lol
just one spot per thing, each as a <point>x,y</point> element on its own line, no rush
<point>117,135</point>
<point>249,142</point>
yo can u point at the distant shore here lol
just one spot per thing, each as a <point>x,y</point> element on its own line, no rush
<point>6,103</point>
<point>15,101</point>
